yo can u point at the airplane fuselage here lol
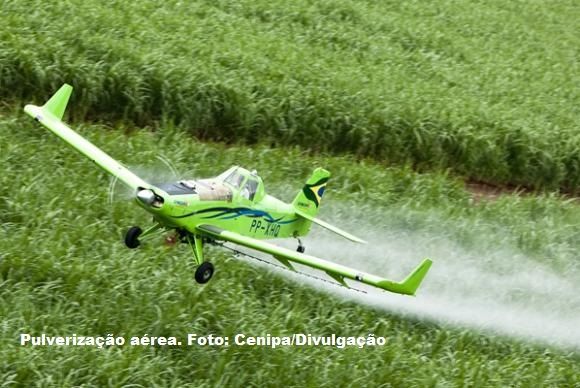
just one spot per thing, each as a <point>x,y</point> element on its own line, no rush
<point>266,219</point>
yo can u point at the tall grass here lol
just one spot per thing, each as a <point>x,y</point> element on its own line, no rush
<point>487,90</point>
<point>63,270</point>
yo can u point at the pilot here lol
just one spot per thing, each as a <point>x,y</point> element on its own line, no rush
<point>246,192</point>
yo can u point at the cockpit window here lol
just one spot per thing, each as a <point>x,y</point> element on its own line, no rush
<point>235,179</point>
<point>249,190</point>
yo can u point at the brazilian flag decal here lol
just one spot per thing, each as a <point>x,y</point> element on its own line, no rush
<point>315,191</point>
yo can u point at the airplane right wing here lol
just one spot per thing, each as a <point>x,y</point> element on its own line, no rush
<point>50,115</point>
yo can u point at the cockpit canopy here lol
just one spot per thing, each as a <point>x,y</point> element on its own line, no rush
<point>223,187</point>
<point>247,183</point>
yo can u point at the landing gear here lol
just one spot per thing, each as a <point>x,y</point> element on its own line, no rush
<point>204,272</point>
<point>301,248</point>
<point>134,232</point>
<point>132,237</point>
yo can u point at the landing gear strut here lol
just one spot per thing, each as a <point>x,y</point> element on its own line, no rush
<point>204,271</point>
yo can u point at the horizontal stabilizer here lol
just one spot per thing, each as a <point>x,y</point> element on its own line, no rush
<point>330,227</point>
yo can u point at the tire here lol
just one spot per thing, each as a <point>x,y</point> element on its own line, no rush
<point>204,272</point>
<point>301,249</point>
<point>132,237</point>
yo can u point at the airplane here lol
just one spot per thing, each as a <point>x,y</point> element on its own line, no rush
<point>232,207</point>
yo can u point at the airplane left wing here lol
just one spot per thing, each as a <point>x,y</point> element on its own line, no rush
<point>338,272</point>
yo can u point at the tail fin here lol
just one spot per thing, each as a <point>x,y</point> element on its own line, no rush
<point>308,199</point>
<point>56,105</point>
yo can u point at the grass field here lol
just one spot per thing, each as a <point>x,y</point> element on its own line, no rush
<point>64,270</point>
<point>401,101</point>
<point>488,90</point>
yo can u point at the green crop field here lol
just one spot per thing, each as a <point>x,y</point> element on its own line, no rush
<point>64,270</point>
<point>402,101</point>
<point>489,90</point>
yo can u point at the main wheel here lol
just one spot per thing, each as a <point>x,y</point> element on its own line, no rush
<point>204,272</point>
<point>301,249</point>
<point>132,237</point>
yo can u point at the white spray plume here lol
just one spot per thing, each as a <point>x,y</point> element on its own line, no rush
<point>497,289</point>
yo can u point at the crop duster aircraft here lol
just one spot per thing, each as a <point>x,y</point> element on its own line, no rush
<point>232,207</point>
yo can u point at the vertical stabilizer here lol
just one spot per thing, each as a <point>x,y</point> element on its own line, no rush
<point>308,199</point>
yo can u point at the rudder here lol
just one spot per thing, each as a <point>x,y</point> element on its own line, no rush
<point>309,198</point>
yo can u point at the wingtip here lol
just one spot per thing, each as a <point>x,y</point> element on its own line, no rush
<point>414,280</point>
<point>411,284</point>
<point>56,105</point>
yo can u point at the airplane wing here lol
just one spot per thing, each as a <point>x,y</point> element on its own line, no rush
<point>50,115</point>
<point>338,272</point>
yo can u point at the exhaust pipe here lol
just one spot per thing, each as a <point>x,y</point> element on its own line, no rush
<point>148,197</point>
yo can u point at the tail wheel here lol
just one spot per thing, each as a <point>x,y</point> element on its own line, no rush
<point>301,248</point>
<point>204,272</point>
<point>132,237</point>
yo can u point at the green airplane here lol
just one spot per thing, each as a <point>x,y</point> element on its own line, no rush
<point>231,207</point>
